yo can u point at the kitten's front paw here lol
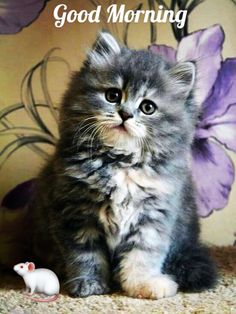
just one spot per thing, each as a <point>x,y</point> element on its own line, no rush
<point>158,287</point>
<point>85,287</point>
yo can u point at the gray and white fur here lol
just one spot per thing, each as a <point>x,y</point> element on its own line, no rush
<point>115,205</point>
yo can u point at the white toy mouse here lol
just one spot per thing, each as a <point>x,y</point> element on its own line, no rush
<point>40,280</point>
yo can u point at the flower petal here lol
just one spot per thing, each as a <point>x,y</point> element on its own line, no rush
<point>223,128</point>
<point>15,14</point>
<point>166,52</point>
<point>213,173</point>
<point>20,195</point>
<point>204,47</point>
<point>223,93</point>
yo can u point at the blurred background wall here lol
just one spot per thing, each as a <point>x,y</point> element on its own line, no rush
<point>19,52</point>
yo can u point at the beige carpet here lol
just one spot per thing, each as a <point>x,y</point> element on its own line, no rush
<point>220,300</point>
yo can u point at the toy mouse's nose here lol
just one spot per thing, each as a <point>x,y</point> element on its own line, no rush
<point>125,115</point>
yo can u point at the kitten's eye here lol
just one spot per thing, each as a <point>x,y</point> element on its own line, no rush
<point>148,107</point>
<point>113,95</point>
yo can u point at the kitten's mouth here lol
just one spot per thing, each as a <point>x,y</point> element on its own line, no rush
<point>121,127</point>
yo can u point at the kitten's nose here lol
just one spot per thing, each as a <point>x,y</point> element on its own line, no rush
<point>125,115</point>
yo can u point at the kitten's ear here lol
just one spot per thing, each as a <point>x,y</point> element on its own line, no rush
<point>183,77</point>
<point>104,49</point>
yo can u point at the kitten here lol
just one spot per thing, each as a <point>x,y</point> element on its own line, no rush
<point>116,203</point>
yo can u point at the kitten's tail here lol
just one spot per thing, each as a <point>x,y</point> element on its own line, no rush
<point>193,268</point>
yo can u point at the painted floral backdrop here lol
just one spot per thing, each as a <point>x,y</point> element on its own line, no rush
<point>213,169</point>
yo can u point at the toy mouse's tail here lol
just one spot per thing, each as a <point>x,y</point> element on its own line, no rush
<point>50,299</point>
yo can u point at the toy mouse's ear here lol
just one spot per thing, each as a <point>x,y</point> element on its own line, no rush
<point>31,266</point>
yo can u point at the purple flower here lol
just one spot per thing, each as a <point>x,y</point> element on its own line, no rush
<point>16,14</point>
<point>20,195</point>
<point>213,170</point>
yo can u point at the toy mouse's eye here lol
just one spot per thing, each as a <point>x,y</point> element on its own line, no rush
<point>22,266</point>
<point>113,95</point>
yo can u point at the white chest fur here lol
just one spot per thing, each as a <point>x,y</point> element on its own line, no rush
<point>130,188</point>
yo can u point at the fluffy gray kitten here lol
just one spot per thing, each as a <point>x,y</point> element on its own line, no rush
<point>115,205</point>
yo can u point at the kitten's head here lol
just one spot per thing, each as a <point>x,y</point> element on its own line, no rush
<point>130,100</point>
